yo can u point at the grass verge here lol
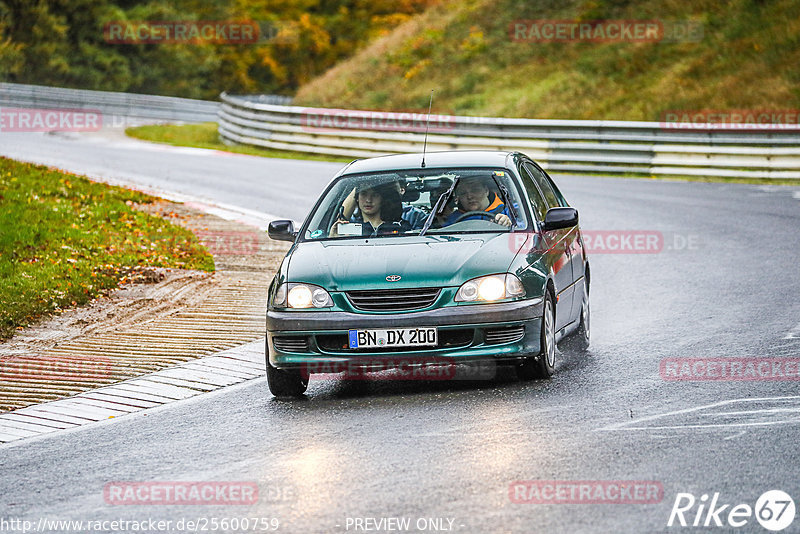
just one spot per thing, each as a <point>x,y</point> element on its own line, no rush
<point>65,240</point>
<point>204,135</point>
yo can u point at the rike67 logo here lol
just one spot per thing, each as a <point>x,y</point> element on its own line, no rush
<point>774,510</point>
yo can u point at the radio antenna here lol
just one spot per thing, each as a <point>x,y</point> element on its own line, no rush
<point>427,122</point>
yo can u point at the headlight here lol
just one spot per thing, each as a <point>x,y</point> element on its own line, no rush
<point>490,288</point>
<point>301,296</point>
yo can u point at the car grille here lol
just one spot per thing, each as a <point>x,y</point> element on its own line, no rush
<point>291,343</point>
<point>454,337</point>
<point>509,334</point>
<point>393,299</point>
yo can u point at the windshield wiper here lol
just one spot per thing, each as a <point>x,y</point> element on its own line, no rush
<point>506,198</point>
<point>438,207</point>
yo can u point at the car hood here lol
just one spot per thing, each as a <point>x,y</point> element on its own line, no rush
<point>429,261</point>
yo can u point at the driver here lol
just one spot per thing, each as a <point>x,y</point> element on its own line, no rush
<point>472,194</point>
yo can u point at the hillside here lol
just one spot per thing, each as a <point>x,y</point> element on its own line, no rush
<point>122,45</point>
<point>747,58</point>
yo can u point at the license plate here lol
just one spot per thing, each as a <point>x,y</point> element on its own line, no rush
<point>398,337</point>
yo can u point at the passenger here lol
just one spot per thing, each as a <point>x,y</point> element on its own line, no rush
<point>472,194</point>
<point>414,216</point>
<point>380,211</point>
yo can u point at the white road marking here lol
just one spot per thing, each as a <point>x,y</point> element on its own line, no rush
<point>24,425</point>
<point>52,412</point>
<point>38,420</point>
<point>709,426</point>
<point>794,333</point>
<point>189,379</point>
<point>734,436</point>
<point>749,412</point>
<point>122,401</point>
<point>793,409</point>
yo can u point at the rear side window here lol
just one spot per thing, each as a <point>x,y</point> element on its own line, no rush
<point>544,185</point>
<point>538,203</point>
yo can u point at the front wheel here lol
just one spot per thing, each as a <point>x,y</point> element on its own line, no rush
<point>543,365</point>
<point>580,339</point>
<point>286,384</point>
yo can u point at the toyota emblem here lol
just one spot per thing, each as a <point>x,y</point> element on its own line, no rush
<point>393,278</point>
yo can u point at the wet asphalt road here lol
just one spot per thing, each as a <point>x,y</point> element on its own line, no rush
<point>724,285</point>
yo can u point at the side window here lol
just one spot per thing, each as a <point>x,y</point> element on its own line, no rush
<point>538,203</point>
<point>544,185</point>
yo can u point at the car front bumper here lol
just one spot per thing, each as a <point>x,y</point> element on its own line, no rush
<point>474,332</point>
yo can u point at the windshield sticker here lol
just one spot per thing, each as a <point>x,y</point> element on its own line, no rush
<point>350,229</point>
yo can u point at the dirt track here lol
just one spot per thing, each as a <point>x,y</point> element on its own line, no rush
<point>144,327</point>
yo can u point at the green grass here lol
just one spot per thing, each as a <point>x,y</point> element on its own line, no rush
<point>65,240</point>
<point>204,135</point>
<point>746,59</point>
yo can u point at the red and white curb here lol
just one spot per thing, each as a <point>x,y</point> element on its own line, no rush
<point>183,381</point>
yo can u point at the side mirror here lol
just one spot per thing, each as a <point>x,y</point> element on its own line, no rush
<point>282,230</point>
<point>560,218</point>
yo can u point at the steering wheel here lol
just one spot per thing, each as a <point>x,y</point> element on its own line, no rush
<point>471,213</point>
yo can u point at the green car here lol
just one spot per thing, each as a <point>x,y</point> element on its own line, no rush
<point>415,262</point>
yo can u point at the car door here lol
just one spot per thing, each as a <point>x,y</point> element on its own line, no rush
<point>557,246</point>
<point>571,242</point>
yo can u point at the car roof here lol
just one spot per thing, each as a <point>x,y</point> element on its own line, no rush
<point>450,158</point>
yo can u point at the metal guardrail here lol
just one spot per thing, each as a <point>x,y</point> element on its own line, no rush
<point>110,104</point>
<point>649,148</point>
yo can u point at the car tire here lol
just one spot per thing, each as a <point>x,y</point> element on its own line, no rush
<point>580,339</point>
<point>286,384</point>
<point>543,364</point>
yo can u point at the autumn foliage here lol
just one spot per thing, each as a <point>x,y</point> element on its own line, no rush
<point>62,43</point>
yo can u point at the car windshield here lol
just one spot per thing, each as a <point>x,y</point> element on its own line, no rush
<point>399,203</point>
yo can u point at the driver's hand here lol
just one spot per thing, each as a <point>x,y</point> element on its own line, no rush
<point>502,218</point>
